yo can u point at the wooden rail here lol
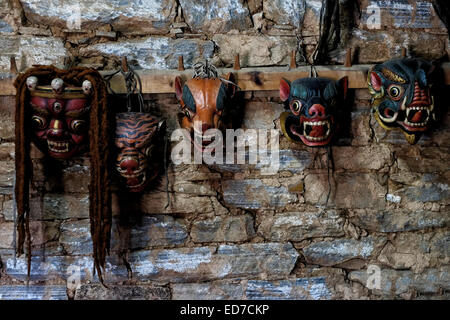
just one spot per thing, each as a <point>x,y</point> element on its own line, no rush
<point>248,79</point>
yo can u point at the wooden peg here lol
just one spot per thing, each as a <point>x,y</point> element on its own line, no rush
<point>403,52</point>
<point>293,64</point>
<point>13,65</point>
<point>124,64</point>
<point>348,58</point>
<point>180,63</point>
<point>237,65</point>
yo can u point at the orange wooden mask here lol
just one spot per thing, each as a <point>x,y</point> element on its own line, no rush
<point>204,100</point>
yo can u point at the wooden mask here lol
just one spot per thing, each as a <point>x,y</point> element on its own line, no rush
<point>312,105</point>
<point>64,111</point>
<point>204,100</point>
<point>59,116</point>
<point>137,135</point>
<point>401,97</point>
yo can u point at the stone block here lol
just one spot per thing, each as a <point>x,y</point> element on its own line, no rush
<point>399,282</point>
<point>223,229</point>
<point>255,51</point>
<point>209,263</point>
<point>154,52</point>
<point>347,190</point>
<point>149,231</point>
<point>315,288</point>
<point>153,15</point>
<point>122,292</point>
<point>330,253</point>
<point>33,292</point>
<point>399,220</point>
<point>217,290</point>
<point>401,14</point>
<point>255,194</point>
<point>30,50</point>
<point>217,16</point>
<point>297,226</point>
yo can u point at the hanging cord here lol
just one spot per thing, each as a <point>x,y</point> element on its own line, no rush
<point>15,222</point>
<point>205,70</point>
<point>132,83</point>
<point>166,173</point>
<point>329,161</point>
<point>300,42</point>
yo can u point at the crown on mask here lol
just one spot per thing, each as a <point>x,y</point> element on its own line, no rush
<point>58,89</point>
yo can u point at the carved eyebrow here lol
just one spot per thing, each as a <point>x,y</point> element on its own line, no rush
<point>392,76</point>
<point>39,110</point>
<point>77,113</point>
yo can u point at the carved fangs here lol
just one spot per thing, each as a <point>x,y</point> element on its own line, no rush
<point>58,147</point>
<point>309,126</point>
<point>403,106</point>
<point>411,113</point>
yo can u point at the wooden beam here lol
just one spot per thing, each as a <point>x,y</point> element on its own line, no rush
<point>248,79</point>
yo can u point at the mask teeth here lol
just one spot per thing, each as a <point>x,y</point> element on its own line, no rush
<point>417,124</point>
<point>58,147</point>
<point>317,123</point>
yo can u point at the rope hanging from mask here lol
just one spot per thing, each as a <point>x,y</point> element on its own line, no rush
<point>319,48</point>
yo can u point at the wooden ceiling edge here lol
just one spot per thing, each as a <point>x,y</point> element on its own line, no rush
<point>248,79</point>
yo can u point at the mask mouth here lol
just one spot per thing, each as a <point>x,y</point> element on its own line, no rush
<point>417,117</point>
<point>136,181</point>
<point>58,146</point>
<point>313,132</point>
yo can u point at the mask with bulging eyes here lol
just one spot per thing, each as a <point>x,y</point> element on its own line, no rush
<point>204,103</point>
<point>137,137</point>
<point>312,104</point>
<point>59,117</point>
<point>401,97</point>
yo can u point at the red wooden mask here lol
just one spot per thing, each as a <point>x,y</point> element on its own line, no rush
<point>59,116</point>
<point>136,137</point>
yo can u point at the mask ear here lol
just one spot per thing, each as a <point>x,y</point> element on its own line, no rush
<point>231,87</point>
<point>343,85</point>
<point>285,89</point>
<point>179,88</point>
<point>375,80</point>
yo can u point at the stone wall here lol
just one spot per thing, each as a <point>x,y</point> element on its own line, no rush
<point>231,231</point>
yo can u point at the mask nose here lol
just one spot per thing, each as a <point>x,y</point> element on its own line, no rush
<point>56,129</point>
<point>129,165</point>
<point>316,110</point>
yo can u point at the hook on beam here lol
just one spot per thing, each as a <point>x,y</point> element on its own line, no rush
<point>237,64</point>
<point>293,64</point>
<point>180,63</point>
<point>348,58</point>
<point>13,65</point>
<point>125,64</point>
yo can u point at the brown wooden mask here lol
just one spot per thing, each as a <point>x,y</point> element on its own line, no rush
<point>204,100</point>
